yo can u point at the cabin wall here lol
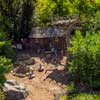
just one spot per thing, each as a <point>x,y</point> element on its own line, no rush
<point>59,43</point>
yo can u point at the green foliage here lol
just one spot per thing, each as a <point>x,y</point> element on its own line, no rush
<point>47,9</point>
<point>7,51</point>
<point>85,64</point>
<point>2,96</point>
<point>5,46</point>
<point>64,98</point>
<point>9,13</point>
<point>26,23</point>
<point>84,96</point>
<point>44,10</point>
<point>5,66</point>
<point>93,25</point>
<point>71,87</point>
<point>63,7</point>
<point>81,96</point>
<point>16,17</point>
<point>87,7</point>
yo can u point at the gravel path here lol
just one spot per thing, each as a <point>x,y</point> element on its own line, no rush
<point>41,87</point>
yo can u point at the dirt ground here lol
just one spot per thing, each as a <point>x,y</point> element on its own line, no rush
<point>46,85</point>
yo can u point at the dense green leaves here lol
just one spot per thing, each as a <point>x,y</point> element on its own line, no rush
<point>44,10</point>
<point>85,65</point>
<point>47,9</point>
<point>64,98</point>
<point>5,66</point>
<point>94,23</point>
<point>66,8</point>
<point>7,51</point>
<point>87,7</point>
<point>81,96</point>
<point>2,96</point>
<point>16,17</point>
<point>84,96</point>
<point>5,46</point>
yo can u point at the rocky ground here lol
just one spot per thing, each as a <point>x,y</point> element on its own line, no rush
<point>47,85</point>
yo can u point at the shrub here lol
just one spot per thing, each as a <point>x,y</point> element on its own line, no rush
<point>2,96</point>
<point>5,66</point>
<point>84,96</point>
<point>64,98</point>
<point>70,88</point>
<point>85,63</point>
<point>5,46</point>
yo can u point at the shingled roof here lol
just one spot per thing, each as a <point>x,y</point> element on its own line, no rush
<point>66,22</point>
<point>46,32</point>
<point>56,30</point>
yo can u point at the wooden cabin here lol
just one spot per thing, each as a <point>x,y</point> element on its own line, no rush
<point>57,36</point>
<point>48,38</point>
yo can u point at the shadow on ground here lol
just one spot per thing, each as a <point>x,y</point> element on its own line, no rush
<point>26,55</point>
<point>59,76</point>
<point>14,95</point>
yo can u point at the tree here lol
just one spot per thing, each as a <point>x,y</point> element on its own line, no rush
<point>16,17</point>
<point>10,15</point>
<point>5,46</point>
<point>66,8</point>
<point>93,25</point>
<point>47,9</point>
<point>2,96</point>
<point>5,66</point>
<point>84,65</point>
<point>44,11</point>
<point>63,7</point>
<point>6,54</point>
<point>86,7</point>
<point>26,17</point>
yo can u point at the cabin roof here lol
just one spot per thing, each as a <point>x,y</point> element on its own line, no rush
<point>46,32</point>
<point>56,30</point>
<point>66,22</point>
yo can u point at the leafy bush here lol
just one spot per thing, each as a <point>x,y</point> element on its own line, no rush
<point>64,98</point>
<point>5,46</point>
<point>2,96</point>
<point>85,64</point>
<point>5,66</point>
<point>83,96</point>
<point>70,88</point>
